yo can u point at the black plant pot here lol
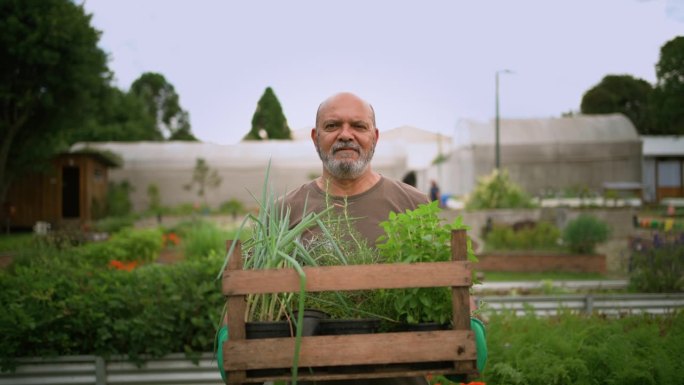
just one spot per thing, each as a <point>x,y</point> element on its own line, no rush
<point>348,326</point>
<point>311,321</point>
<point>267,329</point>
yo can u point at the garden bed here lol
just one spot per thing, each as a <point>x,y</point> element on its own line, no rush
<point>521,261</point>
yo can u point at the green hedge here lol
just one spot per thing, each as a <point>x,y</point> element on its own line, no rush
<point>543,236</point>
<point>60,304</point>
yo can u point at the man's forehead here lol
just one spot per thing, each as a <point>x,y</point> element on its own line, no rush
<point>345,107</point>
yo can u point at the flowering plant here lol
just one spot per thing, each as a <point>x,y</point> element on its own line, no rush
<point>126,266</point>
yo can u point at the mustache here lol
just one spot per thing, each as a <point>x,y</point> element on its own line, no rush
<point>346,146</point>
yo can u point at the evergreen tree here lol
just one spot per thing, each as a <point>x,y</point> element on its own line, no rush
<point>268,121</point>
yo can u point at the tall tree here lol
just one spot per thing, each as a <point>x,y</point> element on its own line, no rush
<point>624,94</point>
<point>668,96</point>
<point>268,121</point>
<point>163,104</point>
<point>50,65</point>
<point>117,116</point>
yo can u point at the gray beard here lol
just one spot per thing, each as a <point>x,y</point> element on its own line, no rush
<point>345,168</point>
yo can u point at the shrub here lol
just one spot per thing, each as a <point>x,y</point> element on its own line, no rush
<point>497,191</point>
<point>582,234</point>
<point>658,270</point>
<point>118,199</point>
<point>233,207</point>
<point>126,246</point>
<point>202,239</point>
<point>73,309</point>
<point>543,236</point>
<point>114,224</point>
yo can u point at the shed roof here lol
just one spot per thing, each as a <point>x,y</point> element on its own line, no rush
<point>663,145</point>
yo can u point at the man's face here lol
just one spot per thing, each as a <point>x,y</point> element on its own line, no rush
<point>345,136</point>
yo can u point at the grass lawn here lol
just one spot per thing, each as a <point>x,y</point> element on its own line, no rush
<point>505,276</point>
<point>13,242</point>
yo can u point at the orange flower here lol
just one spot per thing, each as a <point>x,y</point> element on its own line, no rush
<point>171,238</point>
<point>126,266</point>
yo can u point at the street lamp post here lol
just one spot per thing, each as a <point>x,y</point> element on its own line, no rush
<point>497,149</point>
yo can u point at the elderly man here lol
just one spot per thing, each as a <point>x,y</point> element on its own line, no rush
<point>345,137</point>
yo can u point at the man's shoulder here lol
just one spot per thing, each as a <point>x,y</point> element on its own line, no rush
<point>300,193</point>
<point>411,192</point>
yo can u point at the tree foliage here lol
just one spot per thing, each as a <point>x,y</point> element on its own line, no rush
<point>162,103</point>
<point>621,93</point>
<point>653,110</point>
<point>668,96</point>
<point>50,65</point>
<point>268,121</point>
<point>117,116</point>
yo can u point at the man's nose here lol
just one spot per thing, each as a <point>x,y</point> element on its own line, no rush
<point>346,133</point>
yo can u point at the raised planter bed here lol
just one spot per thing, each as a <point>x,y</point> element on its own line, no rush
<point>541,262</point>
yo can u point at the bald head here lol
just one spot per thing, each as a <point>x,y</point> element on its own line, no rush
<point>344,97</point>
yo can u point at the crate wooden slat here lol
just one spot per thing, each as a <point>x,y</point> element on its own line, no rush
<point>382,348</point>
<point>355,277</point>
<point>393,354</point>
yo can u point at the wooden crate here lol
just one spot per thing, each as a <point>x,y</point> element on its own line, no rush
<point>363,355</point>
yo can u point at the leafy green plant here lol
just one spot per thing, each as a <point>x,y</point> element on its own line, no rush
<point>234,207</point>
<point>118,199</point>
<point>128,245</point>
<point>203,238</point>
<point>418,236</point>
<point>77,308</point>
<point>582,234</point>
<point>658,270</point>
<point>576,349</point>
<point>114,224</point>
<point>543,236</point>
<point>497,191</point>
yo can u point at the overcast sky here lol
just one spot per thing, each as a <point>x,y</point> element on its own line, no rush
<point>421,63</point>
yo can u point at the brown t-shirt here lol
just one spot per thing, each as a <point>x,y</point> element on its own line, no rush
<point>367,209</point>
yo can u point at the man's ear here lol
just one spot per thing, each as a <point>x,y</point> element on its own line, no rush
<point>313,135</point>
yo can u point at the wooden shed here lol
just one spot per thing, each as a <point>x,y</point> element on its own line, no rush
<point>72,191</point>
